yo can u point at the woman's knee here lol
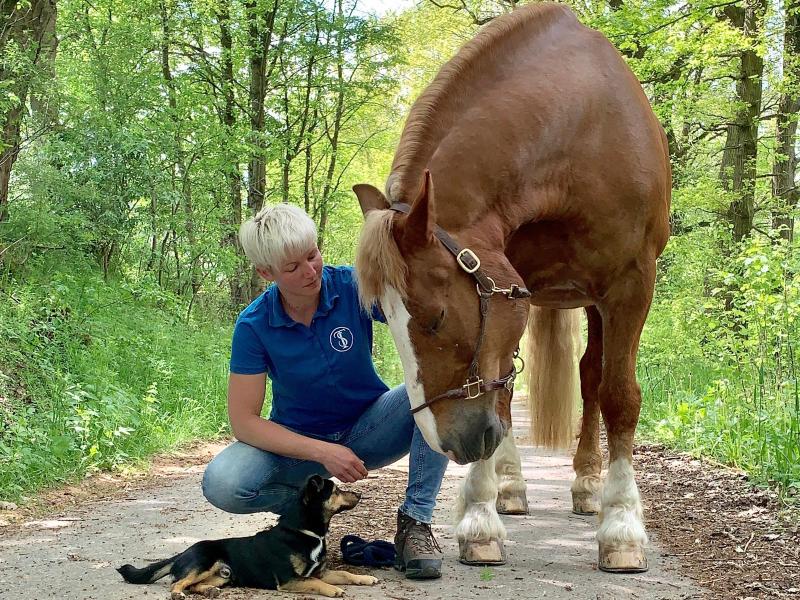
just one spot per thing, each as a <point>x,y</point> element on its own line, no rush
<point>235,479</point>
<point>243,479</point>
<point>224,487</point>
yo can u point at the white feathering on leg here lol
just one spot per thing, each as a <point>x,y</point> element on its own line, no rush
<point>476,511</point>
<point>621,513</point>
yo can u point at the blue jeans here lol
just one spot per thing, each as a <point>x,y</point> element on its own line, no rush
<point>245,479</point>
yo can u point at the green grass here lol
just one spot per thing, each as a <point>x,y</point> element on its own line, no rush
<point>100,376</point>
<point>708,414</point>
<point>724,382</point>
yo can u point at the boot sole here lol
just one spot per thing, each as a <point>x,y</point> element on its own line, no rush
<point>429,573</point>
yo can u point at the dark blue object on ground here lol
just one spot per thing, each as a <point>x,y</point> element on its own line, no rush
<point>378,553</point>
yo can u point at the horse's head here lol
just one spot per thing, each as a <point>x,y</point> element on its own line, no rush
<point>433,309</point>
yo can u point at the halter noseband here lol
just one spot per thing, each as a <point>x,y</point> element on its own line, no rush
<point>486,288</point>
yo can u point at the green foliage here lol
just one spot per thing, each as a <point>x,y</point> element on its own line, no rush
<point>96,375</point>
<point>117,249</point>
<point>723,381</point>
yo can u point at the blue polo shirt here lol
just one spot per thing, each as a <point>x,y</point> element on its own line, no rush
<point>323,377</point>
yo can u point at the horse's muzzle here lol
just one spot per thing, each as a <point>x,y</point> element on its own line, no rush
<point>476,439</point>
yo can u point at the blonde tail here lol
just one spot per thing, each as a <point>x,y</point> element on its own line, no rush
<point>554,340</point>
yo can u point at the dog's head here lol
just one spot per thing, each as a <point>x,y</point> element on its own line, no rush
<point>322,494</point>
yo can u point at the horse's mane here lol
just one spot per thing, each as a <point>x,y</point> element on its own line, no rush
<point>378,260</point>
<point>433,112</point>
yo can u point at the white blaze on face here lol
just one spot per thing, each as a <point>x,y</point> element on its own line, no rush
<point>397,318</point>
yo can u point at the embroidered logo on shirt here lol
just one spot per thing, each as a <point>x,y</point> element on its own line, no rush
<point>341,339</point>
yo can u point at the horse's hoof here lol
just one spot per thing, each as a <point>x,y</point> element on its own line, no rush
<point>482,552</point>
<point>622,557</point>
<point>585,503</point>
<point>513,503</point>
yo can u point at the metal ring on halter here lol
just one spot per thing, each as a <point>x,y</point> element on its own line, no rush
<point>482,292</point>
<point>521,367</point>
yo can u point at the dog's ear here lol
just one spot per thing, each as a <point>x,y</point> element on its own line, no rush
<point>316,482</point>
<point>314,486</point>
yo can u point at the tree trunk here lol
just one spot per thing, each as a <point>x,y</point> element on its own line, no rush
<point>180,169</point>
<point>231,167</point>
<point>738,169</point>
<point>784,189</point>
<point>32,27</point>
<point>333,132</point>
<point>309,158</point>
<point>296,135</point>
<point>260,29</point>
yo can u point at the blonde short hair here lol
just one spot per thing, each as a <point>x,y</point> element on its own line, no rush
<point>276,232</point>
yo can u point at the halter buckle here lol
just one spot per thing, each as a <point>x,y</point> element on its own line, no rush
<point>468,260</point>
<point>473,387</point>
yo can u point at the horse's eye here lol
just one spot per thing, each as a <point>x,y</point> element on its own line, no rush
<point>436,324</point>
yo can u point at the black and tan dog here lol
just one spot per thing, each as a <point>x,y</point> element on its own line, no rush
<point>289,557</point>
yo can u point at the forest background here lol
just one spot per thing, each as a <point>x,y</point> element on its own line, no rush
<point>136,136</point>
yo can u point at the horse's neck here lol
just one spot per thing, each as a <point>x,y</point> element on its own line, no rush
<point>485,227</point>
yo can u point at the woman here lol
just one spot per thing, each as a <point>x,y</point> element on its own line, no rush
<point>331,413</point>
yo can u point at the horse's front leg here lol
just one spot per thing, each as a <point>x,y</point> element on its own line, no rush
<point>479,531</point>
<point>511,487</point>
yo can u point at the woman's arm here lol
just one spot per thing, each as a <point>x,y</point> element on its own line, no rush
<point>245,401</point>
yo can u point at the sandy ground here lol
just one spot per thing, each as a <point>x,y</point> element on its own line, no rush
<point>551,552</point>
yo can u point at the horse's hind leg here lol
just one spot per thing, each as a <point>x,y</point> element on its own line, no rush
<point>479,531</point>
<point>588,461</point>
<point>511,498</point>
<point>621,536</point>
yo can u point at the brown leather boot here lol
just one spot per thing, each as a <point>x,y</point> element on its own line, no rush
<point>418,553</point>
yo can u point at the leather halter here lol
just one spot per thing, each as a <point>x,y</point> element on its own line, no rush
<point>486,288</point>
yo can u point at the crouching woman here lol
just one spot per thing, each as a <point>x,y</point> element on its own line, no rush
<point>331,414</point>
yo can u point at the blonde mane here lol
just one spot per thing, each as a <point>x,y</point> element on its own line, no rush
<point>453,87</point>
<point>378,260</point>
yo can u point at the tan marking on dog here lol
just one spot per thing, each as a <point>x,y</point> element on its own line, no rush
<point>299,563</point>
<point>194,577</point>
<point>339,500</point>
<point>209,590</point>
<point>312,586</point>
<point>347,578</point>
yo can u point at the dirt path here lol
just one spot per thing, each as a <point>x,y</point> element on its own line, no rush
<point>107,521</point>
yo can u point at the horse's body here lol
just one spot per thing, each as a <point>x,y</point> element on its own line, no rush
<point>550,165</point>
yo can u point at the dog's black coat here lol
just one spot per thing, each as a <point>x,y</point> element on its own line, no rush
<point>263,560</point>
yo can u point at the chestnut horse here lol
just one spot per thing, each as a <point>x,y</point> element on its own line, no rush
<point>552,192</point>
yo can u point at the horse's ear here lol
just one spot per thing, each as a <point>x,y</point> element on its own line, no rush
<point>421,220</point>
<point>370,197</point>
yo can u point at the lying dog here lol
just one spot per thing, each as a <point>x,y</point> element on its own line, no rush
<point>289,557</point>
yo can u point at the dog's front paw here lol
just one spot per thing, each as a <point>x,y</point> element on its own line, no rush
<point>212,592</point>
<point>177,596</point>
<point>366,580</point>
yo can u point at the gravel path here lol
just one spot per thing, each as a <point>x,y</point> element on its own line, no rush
<point>552,553</point>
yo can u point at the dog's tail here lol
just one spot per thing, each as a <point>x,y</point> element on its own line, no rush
<point>148,574</point>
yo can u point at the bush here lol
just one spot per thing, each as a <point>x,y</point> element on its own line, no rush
<point>96,376</point>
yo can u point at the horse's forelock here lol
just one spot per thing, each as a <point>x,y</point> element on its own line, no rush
<point>378,260</point>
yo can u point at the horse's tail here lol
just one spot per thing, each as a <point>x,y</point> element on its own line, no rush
<point>150,573</point>
<point>554,340</point>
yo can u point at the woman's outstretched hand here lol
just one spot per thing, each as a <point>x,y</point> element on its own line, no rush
<point>342,463</point>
